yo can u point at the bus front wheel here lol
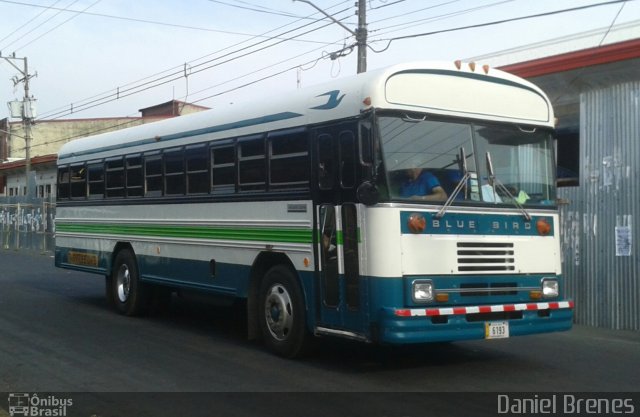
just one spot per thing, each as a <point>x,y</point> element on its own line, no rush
<point>281,313</point>
<point>128,294</point>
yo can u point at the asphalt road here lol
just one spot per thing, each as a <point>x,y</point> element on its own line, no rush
<point>58,335</point>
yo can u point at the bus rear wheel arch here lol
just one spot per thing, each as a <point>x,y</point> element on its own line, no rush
<point>282,313</point>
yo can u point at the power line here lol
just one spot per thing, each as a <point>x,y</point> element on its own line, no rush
<point>61,111</point>
<point>253,9</point>
<point>30,20</point>
<point>41,24</point>
<point>175,75</point>
<point>57,26</point>
<point>93,132</point>
<point>495,22</point>
<point>131,19</point>
<point>414,11</point>
<point>419,22</point>
<point>385,5</point>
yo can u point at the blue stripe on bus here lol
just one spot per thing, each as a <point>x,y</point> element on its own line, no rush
<point>477,224</point>
<point>211,129</point>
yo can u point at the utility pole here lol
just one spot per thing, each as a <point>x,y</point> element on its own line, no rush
<point>27,110</point>
<point>360,33</point>
<point>361,36</point>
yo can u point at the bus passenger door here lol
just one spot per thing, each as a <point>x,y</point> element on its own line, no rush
<point>340,282</point>
<point>341,289</point>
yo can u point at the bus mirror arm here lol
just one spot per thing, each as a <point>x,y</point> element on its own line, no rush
<point>367,193</point>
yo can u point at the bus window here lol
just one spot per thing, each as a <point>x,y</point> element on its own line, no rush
<point>78,181</point>
<point>63,182</point>
<point>96,179</point>
<point>223,168</point>
<point>174,172</point>
<point>329,256</point>
<point>326,162</point>
<point>153,175</point>
<point>366,144</point>
<point>197,170</point>
<point>114,186</point>
<point>251,168</point>
<point>134,176</point>
<point>351,258</point>
<point>347,159</point>
<point>289,161</point>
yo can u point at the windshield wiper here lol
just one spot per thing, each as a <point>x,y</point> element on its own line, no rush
<point>461,184</point>
<point>494,181</point>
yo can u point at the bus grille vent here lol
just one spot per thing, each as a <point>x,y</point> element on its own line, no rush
<point>485,257</point>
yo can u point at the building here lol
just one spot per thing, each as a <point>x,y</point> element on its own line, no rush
<point>596,95</point>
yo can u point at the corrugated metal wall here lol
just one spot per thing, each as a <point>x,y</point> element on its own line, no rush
<point>601,256</point>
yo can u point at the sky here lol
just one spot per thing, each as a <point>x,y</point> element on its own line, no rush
<point>110,58</point>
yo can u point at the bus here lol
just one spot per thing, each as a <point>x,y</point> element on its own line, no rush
<point>297,207</point>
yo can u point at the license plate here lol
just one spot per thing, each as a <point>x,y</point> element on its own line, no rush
<point>496,330</point>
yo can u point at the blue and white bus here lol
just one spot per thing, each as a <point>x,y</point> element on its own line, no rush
<point>302,207</point>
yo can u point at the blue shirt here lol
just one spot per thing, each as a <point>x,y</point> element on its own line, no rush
<point>423,185</point>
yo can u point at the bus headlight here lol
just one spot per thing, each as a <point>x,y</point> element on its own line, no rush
<point>550,288</point>
<point>422,291</point>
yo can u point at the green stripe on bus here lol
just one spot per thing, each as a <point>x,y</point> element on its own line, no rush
<point>193,232</point>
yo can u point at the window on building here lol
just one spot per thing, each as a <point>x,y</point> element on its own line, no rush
<point>568,154</point>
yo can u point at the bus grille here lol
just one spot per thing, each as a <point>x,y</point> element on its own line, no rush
<point>488,289</point>
<point>485,257</point>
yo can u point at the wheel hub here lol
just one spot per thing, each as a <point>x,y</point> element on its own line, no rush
<point>279,312</point>
<point>123,283</point>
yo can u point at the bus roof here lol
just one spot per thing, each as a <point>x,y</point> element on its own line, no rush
<point>439,88</point>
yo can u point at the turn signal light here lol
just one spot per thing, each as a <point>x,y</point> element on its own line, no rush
<point>416,223</point>
<point>535,295</point>
<point>543,227</point>
<point>442,297</point>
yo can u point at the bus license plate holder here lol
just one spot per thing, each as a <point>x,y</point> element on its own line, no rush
<point>496,329</point>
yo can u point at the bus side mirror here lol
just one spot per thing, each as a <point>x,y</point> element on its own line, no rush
<point>367,193</point>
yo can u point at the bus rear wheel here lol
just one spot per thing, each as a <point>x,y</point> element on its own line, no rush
<point>281,313</point>
<point>128,294</point>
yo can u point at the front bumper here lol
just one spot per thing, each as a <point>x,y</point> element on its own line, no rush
<point>421,325</point>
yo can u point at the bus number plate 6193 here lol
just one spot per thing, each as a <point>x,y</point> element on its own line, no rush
<point>496,330</point>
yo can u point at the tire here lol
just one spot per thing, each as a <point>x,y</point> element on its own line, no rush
<point>282,313</point>
<point>130,296</point>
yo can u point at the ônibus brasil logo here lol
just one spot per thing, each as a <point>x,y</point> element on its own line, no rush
<point>33,405</point>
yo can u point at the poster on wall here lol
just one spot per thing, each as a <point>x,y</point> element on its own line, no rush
<point>623,241</point>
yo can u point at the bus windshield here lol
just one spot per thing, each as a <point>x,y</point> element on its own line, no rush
<point>425,159</point>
